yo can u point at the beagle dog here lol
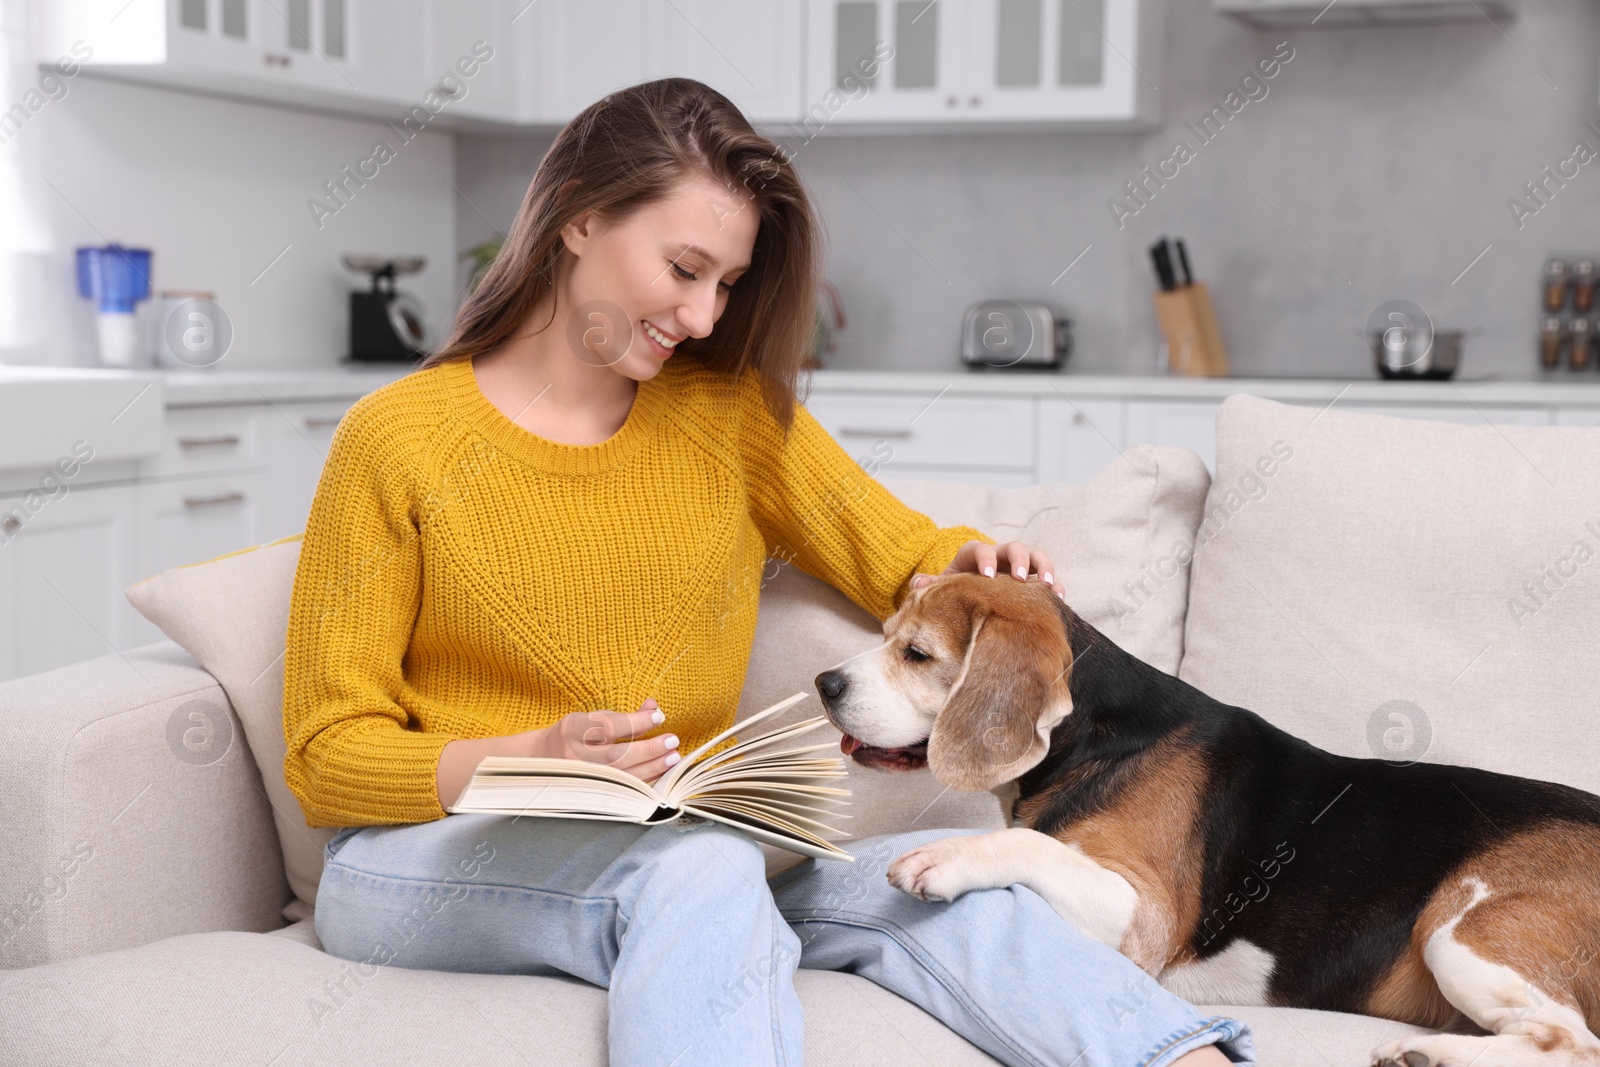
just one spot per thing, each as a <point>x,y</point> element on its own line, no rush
<point>1231,860</point>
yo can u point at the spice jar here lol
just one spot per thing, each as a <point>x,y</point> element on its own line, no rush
<point>1583,286</point>
<point>1551,337</point>
<point>1555,284</point>
<point>1580,333</point>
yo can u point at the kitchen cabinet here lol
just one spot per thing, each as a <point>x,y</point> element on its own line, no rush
<point>1079,437</point>
<point>969,63</point>
<point>189,521</point>
<point>61,580</point>
<point>296,438</point>
<point>750,52</point>
<point>227,476</point>
<point>792,65</point>
<point>461,32</point>
<point>1191,424</point>
<point>933,434</point>
<point>377,58</point>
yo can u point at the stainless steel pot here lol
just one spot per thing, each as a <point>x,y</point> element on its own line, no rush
<point>1406,351</point>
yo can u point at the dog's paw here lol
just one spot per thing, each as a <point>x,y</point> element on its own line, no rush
<point>1407,1059</point>
<point>939,870</point>
<point>1428,1050</point>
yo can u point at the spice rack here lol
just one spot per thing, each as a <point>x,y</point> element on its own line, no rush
<point>1567,307</point>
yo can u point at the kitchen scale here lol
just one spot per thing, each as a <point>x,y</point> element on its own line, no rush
<point>387,325</point>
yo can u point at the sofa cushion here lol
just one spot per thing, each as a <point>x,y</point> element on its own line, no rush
<point>243,1000</point>
<point>225,999</point>
<point>232,614</point>
<point>1402,588</point>
<point>1121,543</point>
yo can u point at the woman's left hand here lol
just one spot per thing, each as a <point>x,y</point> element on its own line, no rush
<point>980,557</point>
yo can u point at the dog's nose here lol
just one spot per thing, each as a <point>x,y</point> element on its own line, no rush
<point>830,684</point>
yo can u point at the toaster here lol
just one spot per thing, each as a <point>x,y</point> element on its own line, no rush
<point>1006,333</point>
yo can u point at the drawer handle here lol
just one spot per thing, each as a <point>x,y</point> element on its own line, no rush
<point>856,431</point>
<point>318,422</point>
<point>205,442</point>
<point>11,524</point>
<point>234,497</point>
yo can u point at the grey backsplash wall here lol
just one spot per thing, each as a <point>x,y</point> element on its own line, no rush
<point>1378,166</point>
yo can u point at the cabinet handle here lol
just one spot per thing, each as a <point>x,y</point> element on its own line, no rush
<point>318,422</point>
<point>205,442</point>
<point>275,59</point>
<point>975,100</point>
<point>856,431</point>
<point>235,497</point>
<point>951,101</point>
<point>1078,418</point>
<point>11,524</point>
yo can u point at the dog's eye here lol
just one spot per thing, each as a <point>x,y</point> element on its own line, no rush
<point>915,654</point>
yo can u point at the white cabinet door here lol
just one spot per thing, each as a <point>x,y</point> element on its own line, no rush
<point>1078,438</point>
<point>1083,60</point>
<point>749,52</point>
<point>388,50</point>
<point>1577,417</point>
<point>482,48</point>
<point>887,60</point>
<point>1191,424</point>
<point>586,49</point>
<point>62,573</point>
<point>297,438</point>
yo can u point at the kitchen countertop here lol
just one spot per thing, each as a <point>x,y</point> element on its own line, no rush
<point>194,388</point>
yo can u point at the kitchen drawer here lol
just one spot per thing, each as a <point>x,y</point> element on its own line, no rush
<point>203,440</point>
<point>930,429</point>
<point>196,519</point>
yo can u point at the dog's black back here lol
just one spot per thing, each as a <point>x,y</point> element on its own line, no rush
<point>1323,861</point>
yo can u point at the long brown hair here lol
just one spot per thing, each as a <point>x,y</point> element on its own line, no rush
<point>628,150</point>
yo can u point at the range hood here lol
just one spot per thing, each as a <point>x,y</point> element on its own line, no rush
<point>1343,14</point>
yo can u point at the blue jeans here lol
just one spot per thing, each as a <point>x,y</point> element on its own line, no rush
<point>698,952</point>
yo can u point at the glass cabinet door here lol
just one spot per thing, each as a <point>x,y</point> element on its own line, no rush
<point>876,60</point>
<point>968,61</point>
<point>1056,59</point>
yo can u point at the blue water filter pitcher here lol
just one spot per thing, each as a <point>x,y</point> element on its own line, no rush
<point>116,279</point>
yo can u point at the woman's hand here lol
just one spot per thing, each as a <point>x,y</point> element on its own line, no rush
<point>597,736</point>
<point>604,737</point>
<point>979,557</point>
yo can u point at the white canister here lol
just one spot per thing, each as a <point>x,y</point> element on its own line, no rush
<point>178,343</point>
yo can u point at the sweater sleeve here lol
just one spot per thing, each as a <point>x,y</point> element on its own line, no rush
<point>355,757</point>
<point>820,509</point>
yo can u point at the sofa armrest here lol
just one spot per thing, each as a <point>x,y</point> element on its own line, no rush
<point>133,810</point>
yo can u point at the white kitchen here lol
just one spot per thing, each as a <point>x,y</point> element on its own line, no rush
<point>1055,231</point>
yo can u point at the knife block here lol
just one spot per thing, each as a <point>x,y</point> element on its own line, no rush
<point>1194,345</point>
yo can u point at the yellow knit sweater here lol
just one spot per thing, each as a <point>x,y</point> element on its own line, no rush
<point>462,577</point>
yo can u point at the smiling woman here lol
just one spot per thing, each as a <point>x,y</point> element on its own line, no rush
<point>567,509</point>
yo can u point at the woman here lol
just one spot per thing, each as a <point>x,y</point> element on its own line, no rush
<point>565,510</point>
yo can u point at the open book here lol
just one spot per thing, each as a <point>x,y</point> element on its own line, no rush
<point>774,795</point>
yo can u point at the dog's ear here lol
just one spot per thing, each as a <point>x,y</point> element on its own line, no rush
<point>1011,693</point>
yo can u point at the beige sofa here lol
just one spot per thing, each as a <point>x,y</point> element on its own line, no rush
<point>1378,586</point>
